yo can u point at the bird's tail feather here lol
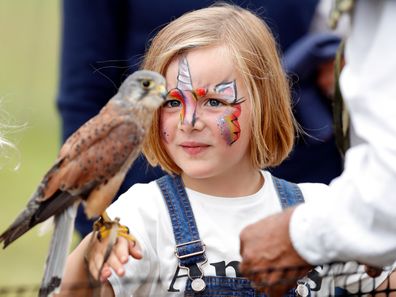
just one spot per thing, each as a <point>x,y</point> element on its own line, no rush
<point>35,213</point>
<point>59,248</point>
<point>20,226</point>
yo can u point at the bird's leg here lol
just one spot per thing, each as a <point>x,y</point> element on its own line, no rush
<point>105,227</point>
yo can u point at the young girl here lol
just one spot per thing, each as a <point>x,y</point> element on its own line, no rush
<point>227,115</point>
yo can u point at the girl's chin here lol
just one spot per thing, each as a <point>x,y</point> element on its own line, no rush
<point>197,173</point>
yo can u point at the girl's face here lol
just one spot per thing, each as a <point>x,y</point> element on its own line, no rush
<point>205,123</point>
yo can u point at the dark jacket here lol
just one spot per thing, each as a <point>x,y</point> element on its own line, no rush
<point>315,157</point>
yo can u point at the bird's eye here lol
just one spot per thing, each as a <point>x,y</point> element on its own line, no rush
<point>146,83</point>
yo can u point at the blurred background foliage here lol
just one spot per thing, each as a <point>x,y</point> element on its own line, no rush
<point>29,51</point>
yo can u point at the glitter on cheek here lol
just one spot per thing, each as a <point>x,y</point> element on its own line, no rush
<point>223,130</point>
<point>229,125</point>
<point>164,129</point>
<point>165,135</point>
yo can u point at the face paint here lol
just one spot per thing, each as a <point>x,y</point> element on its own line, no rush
<point>184,85</point>
<point>184,82</point>
<point>185,93</point>
<point>178,95</point>
<point>201,92</point>
<point>228,91</point>
<point>228,124</point>
<point>164,135</point>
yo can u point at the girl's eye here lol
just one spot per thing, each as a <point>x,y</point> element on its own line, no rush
<point>214,102</point>
<point>172,103</point>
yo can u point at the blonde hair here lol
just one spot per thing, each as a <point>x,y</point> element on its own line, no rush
<point>252,46</point>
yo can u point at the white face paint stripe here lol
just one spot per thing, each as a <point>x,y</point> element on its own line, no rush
<point>184,82</point>
<point>184,85</point>
<point>229,90</point>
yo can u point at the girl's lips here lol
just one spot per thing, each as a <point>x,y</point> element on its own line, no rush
<point>193,148</point>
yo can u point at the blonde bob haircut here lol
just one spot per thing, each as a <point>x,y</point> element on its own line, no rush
<point>252,46</point>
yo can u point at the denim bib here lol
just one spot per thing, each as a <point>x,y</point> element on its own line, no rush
<point>190,250</point>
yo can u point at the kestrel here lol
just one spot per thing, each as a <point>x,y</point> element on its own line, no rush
<point>92,165</point>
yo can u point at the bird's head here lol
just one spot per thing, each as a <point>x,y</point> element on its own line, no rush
<point>144,87</point>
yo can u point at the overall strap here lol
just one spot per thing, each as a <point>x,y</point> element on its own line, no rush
<point>289,193</point>
<point>190,250</point>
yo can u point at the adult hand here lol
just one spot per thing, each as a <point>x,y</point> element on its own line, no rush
<point>268,256</point>
<point>118,257</point>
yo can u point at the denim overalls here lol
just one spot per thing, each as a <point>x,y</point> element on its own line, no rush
<point>190,250</point>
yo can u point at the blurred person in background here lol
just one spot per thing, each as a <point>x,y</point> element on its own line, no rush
<point>309,63</point>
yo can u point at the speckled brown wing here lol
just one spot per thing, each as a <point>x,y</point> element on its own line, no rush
<point>93,130</point>
<point>95,153</point>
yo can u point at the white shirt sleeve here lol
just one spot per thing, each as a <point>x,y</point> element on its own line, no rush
<point>359,220</point>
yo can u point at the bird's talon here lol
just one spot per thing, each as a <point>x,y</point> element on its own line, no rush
<point>103,228</point>
<point>122,233</point>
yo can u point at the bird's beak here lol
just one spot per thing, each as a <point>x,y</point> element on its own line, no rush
<point>161,89</point>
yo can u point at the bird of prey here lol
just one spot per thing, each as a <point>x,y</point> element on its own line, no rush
<point>91,166</point>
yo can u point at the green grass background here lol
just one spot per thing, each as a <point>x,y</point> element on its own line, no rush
<point>29,53</point>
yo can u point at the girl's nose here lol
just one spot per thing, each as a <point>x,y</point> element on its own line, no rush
<point>190,113</point>
<point>188,116</point>
<point>187,122</point>
<point>191,121</point>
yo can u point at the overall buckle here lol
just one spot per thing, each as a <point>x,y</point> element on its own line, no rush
<point>197,282</point>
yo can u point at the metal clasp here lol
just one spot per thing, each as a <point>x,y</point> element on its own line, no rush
<point>198,284</point>
<point>192,254</point>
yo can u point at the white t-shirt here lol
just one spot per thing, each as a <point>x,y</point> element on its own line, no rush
<point>219,220</point>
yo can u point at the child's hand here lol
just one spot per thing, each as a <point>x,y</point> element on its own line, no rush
<point>118,257</point>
